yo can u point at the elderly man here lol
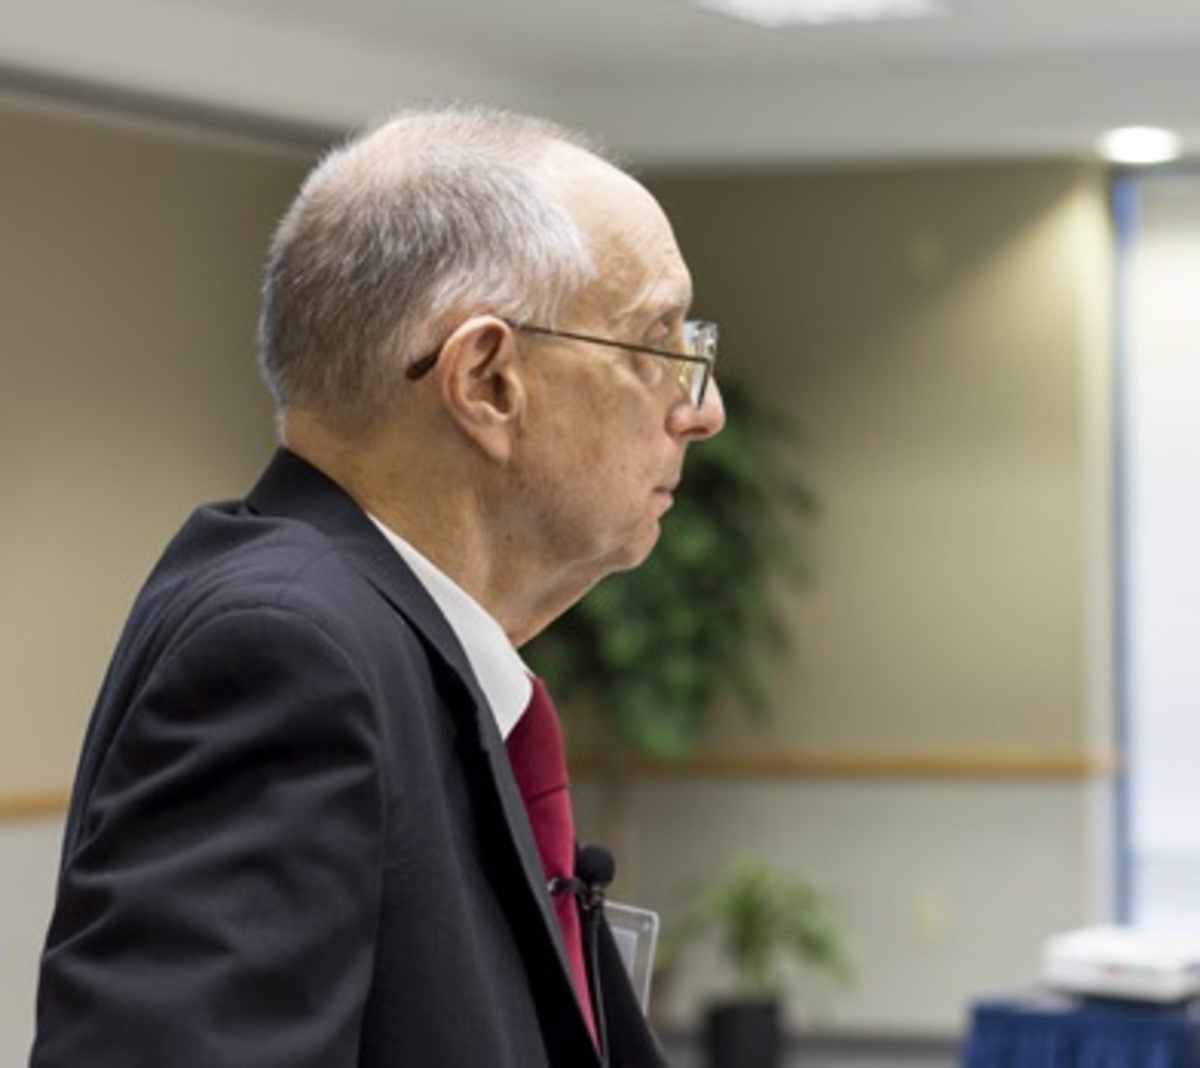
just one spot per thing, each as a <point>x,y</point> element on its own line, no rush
<point>316,820</point>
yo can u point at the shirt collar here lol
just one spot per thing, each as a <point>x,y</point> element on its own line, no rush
<point>498,667</point>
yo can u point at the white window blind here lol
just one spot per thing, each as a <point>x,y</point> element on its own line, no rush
<point>1161,552</point>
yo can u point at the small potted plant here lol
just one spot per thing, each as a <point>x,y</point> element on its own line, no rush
<point>764,921</point>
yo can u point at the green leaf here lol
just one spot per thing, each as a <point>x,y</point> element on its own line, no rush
<point>765,920</point>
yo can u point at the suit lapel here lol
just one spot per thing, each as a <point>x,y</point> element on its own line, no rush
<point>292,488</point>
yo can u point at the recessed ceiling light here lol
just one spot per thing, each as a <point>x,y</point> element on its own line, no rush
<point>819,12</point>
<point>1140,145</point>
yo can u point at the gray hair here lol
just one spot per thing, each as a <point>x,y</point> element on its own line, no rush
<point>432,214</point>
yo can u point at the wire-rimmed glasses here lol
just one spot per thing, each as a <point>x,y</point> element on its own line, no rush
<point>698,359</point>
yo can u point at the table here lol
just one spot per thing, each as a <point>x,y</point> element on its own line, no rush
<point>1044,1030</point>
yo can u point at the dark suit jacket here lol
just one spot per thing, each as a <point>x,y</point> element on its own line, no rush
<point>295,839</point>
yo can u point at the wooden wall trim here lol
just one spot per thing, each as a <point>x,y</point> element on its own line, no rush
<point>982,765</point>
<point>33,804</point>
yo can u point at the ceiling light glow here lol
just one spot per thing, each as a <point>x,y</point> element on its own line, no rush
<point>774,13</point>
<point>1140,145</point>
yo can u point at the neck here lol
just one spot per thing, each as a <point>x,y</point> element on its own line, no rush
<point>453,513</point>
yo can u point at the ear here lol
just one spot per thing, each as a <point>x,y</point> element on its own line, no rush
<point>481,384</point>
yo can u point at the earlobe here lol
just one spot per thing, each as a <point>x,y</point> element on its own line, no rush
<point>481,383</point>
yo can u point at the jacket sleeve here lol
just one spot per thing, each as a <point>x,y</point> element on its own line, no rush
<point>219,902</point>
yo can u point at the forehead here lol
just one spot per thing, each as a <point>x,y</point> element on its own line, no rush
<point>639,265</point>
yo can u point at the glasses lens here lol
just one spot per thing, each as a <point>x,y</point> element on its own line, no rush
<point>701,340</point>
<point>701,373</point>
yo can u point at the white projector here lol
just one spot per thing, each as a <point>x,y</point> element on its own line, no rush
<point>1122,962</point>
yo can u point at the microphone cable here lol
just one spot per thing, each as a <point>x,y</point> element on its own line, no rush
<point>594,871</point>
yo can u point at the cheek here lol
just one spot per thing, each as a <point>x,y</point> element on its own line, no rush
<point>620,468</point>
<point>608,455</point>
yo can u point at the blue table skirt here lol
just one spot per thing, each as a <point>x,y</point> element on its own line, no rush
<point>1051,1031</point>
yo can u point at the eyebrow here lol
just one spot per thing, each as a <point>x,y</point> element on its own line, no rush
<point>671,306</point>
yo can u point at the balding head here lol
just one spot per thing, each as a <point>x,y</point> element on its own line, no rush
<point>429,216</point>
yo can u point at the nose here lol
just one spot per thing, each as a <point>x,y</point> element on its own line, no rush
<point>696,424</point>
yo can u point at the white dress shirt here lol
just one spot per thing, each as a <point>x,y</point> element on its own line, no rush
<point>498,667</point>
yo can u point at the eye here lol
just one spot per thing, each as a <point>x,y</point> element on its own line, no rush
<point>666,332</point>
<point>659,337</point>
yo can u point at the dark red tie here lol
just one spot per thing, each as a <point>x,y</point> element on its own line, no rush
<point>535,748</point>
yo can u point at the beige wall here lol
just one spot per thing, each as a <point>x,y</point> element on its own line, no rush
<point>939,335</point>
<point>129,270</point>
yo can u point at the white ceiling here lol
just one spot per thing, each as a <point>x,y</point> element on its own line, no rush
<point>664,83</point>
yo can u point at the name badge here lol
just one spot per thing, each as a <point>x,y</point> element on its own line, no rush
<point>636,934</point>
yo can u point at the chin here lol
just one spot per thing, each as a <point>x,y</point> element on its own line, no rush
<point>636,552</point>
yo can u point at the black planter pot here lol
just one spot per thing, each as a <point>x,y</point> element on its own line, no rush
<point>744,1034</point>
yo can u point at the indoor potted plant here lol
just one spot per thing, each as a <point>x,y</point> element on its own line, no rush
<point>765,922</point>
